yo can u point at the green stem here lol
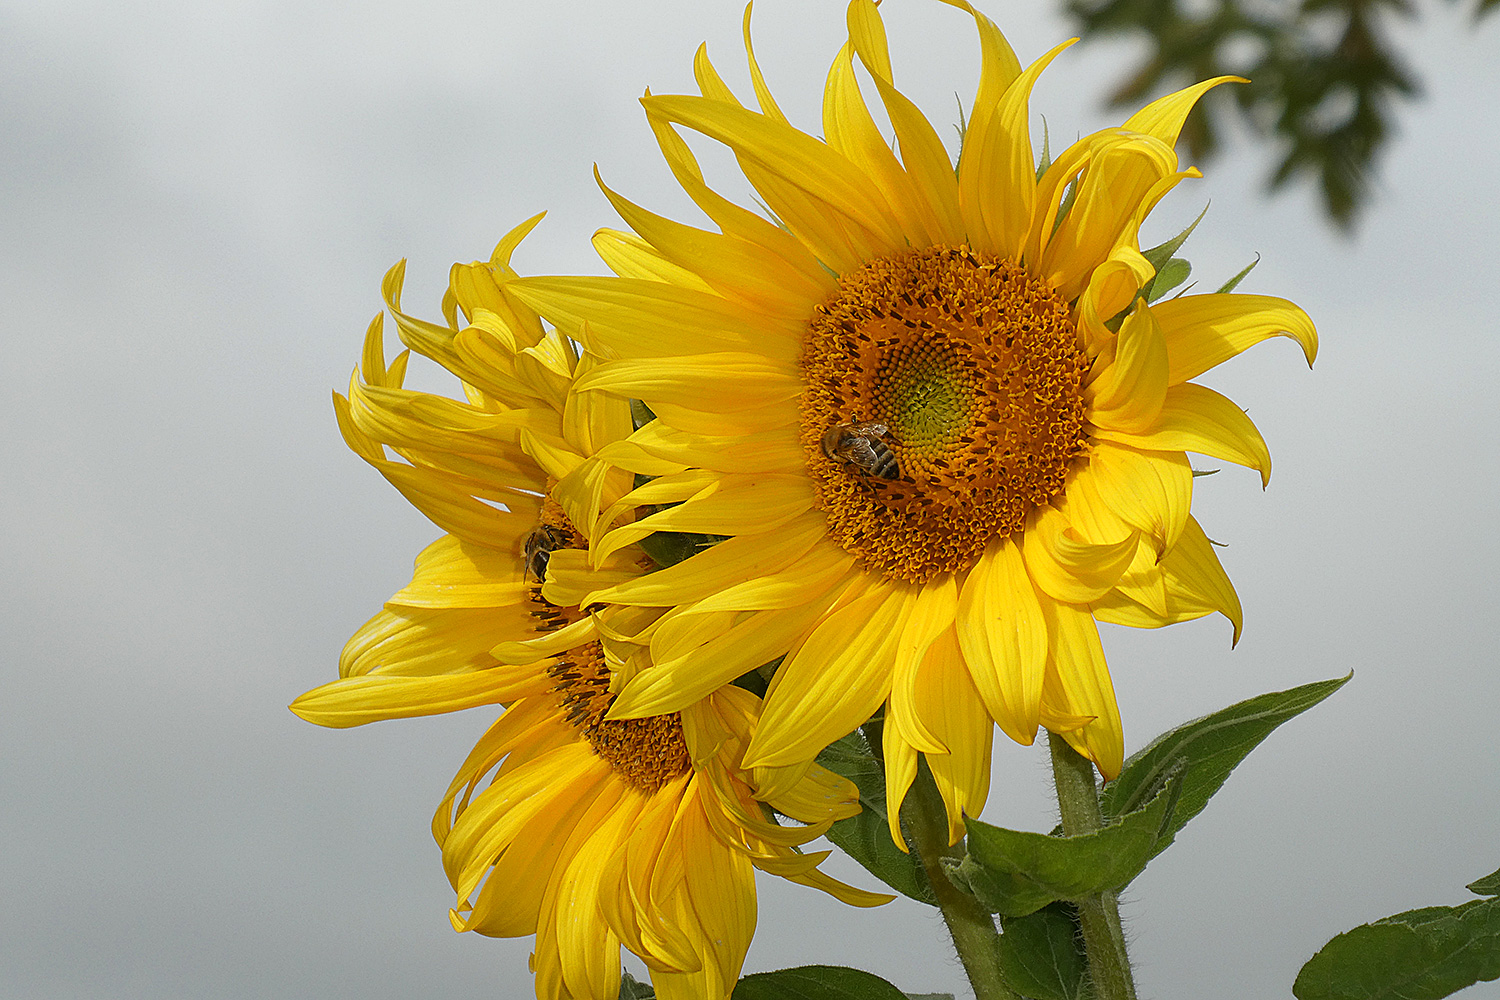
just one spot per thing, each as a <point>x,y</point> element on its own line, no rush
<point>1099,915</point>
<point>972,927</point>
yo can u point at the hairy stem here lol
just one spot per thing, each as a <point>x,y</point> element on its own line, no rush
<point>972,927</point>
<point>1099,915</point>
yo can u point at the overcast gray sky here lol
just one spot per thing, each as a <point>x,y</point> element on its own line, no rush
<point>197,202</point>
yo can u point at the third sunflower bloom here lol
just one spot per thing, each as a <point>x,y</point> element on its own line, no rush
<point>929,407</point>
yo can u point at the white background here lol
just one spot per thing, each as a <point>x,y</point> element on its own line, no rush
<point>197,202</point>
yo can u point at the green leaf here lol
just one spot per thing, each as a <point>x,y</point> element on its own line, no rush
<point>1487,886</point>
<point>1417,955</point>
<point>867,837</point>
<point>1162,252</point>
<point>1230,285</point>
<point>1173,273</point>
<point>1042,954</point>
<point>633,989</point>
<point>815,982</point>
<point>1205,751</point>
<point>1013,873</point>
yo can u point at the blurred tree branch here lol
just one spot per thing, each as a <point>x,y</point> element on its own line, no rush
<point>1324,77</point>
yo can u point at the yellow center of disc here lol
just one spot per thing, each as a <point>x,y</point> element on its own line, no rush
<point>646,753</point>
<point>968,373</point>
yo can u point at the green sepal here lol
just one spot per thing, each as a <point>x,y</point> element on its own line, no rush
<point>816,982</point>
<point>1046,160</point>
<point>1229,285</point>
<point>1203,472</point>
<point>1158,255</point>
<point>668,548</point>
<point>866,837</point>
<point>1487,886</point>
<point>1204,751</point>
<point>1041,954</point>
<point>640,414</point>
<point>1014,873</point>
<point>1171,274</point>
<point>1417,955</point>
<point>633,989</point>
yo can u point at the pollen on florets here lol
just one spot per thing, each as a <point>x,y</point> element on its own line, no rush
<point>974,369</point>
<point>647,753</point>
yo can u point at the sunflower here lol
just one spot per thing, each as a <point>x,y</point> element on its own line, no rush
<point>595,833</point>
<point>588,833</point>
<point>508,473</point>
<point>929,407</point>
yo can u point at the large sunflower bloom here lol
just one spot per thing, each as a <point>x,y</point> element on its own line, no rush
<point>929,405</point>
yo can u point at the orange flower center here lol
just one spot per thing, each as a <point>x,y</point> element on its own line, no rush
<point>944,403</point>
<point>646,753</point>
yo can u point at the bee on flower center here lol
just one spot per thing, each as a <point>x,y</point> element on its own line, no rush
<point>544,540</point>
<point>862,445</point>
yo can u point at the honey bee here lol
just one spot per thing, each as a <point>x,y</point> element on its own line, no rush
<point>863,446</point>
<point>540,544</point>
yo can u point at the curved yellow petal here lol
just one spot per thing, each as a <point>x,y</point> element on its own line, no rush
<point>1066,566</point>
<point>629,256</point>
<point>731,265</point>
<point>728,216</point>
<point>1197,419</point>
<point>355,701</point>
<point>1163,118</point>
<point>848,128</point>
<point>1203,330</point>
<point>1128,391</point>
<point>1149,490</point>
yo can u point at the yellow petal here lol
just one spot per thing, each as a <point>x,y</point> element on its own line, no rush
<point>931,615</point>
<point>1149,490</point>
<point>711,382</point>
<point>354,701</point>
<point>1163,118</point>
<point>1127,393</point>
<point>834,681</point>
<point>1003,636</point>
<point>630,256</point>
<point>922,152</point>
<point>997,175</point>
<point>632,318</point>
<point>823,174</point>
<point>848,128</point>
<point>1078,684</point>
<point>1122,173</point>
<point>1066,566</point>
<point>952,706</point>
<point>716,568</point>
<point>1200,420</point>
<point>1203,330</point>
<point>735,267</point>
<point>775,450</point>
<point>731,218</point>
